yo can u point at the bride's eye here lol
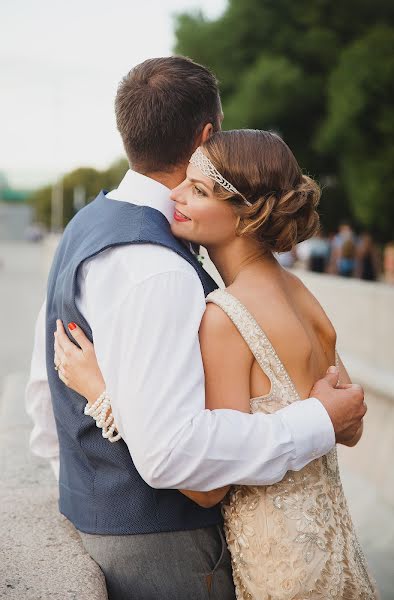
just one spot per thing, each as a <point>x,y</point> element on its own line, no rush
<point>198,192</point>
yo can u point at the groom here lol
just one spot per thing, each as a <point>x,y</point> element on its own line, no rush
<point>139,293</point>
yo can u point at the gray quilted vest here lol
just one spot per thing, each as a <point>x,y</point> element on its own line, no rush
<point>100,489</point>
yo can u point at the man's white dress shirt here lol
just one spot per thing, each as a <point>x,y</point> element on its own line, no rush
<point>144,304</point>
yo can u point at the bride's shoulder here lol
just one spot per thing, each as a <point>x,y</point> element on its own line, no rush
<point>296,282</point>
<point>313,309</point>
<point>222,347</point>
<point>301,293</point>
<point>218,322</point>
<point>215,319</point>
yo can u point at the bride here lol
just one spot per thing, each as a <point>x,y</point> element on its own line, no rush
<point>264,340</point>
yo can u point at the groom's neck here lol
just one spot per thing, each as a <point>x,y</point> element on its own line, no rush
<point>170,179</point>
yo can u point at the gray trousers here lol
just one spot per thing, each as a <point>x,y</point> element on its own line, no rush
<point>179,565</point>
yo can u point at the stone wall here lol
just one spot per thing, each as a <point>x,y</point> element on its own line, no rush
<point>363,315</point>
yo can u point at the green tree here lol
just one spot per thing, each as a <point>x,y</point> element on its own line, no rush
<point>360,122</point>
<point>115,173</point>
<point>283,65</point>
<point>41,202</point>
<point>91,180</point>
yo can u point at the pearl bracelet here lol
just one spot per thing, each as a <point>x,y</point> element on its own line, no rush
<point>98,411</point>
<point>89,410</point>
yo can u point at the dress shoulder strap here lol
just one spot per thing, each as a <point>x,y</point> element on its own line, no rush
<point>249,329</point>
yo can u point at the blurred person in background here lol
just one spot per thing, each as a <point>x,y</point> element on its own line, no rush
<point>35,232</point>
<point>346,260</point>
<point>367,258</point>
<point>319,253</point>
<point>303,253</point>
<point>343,251</point>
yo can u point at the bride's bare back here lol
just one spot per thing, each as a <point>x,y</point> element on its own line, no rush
<point>293,321</point>
<point>297,327</point>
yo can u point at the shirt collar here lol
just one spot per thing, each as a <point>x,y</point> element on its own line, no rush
<point>144,191</point>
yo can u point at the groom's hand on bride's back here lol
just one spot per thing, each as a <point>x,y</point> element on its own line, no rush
<point>344,404</point>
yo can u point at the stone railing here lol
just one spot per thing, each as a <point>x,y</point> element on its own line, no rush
<point>41,555</point>
<point>363,316</point>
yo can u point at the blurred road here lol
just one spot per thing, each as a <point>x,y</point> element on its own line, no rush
<point>41,555</point>
<point>22,289</point>
<point>22,286</point>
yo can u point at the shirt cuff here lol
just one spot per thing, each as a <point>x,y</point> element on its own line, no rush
<point>312,430</point>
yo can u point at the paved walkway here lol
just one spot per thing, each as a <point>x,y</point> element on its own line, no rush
<point>40,554</point>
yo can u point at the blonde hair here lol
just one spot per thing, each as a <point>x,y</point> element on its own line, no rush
<point>264,170</point>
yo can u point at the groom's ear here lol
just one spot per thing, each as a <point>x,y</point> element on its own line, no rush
<point>206,133</point>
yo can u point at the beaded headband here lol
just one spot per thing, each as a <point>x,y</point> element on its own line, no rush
<point>202,162</point>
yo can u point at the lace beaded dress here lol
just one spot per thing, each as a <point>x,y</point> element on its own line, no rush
<point>293,540</point>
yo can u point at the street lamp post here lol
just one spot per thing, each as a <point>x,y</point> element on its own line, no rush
<point>57,207</point>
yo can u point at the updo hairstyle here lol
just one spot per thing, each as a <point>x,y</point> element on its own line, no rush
<point>264,170</point>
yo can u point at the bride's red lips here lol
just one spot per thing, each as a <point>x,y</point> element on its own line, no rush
<point>178,216</point>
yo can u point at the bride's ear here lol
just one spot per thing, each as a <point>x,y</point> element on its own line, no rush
<point>238,225</point>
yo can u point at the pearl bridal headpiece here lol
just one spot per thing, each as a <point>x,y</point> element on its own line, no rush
<point>202,162</point>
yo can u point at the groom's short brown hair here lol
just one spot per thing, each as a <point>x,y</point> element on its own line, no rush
<point>161,105</point>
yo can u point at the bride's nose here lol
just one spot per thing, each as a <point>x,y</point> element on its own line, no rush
<point>177,194</point>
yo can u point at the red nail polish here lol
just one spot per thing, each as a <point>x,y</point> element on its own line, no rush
<point>72,326</point>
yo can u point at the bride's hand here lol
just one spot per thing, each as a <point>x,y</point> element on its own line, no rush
<point>77,366</point>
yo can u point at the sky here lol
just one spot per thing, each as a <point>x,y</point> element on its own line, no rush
<point>60,64</point>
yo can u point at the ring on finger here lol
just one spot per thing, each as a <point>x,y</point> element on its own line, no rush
<point>63,378</point>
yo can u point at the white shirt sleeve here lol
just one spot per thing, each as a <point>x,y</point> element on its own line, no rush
<point>146,340</point>
<point>43,439</point>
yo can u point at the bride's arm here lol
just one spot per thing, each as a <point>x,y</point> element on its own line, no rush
<point>227,364</point>
<point>77,366</point>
